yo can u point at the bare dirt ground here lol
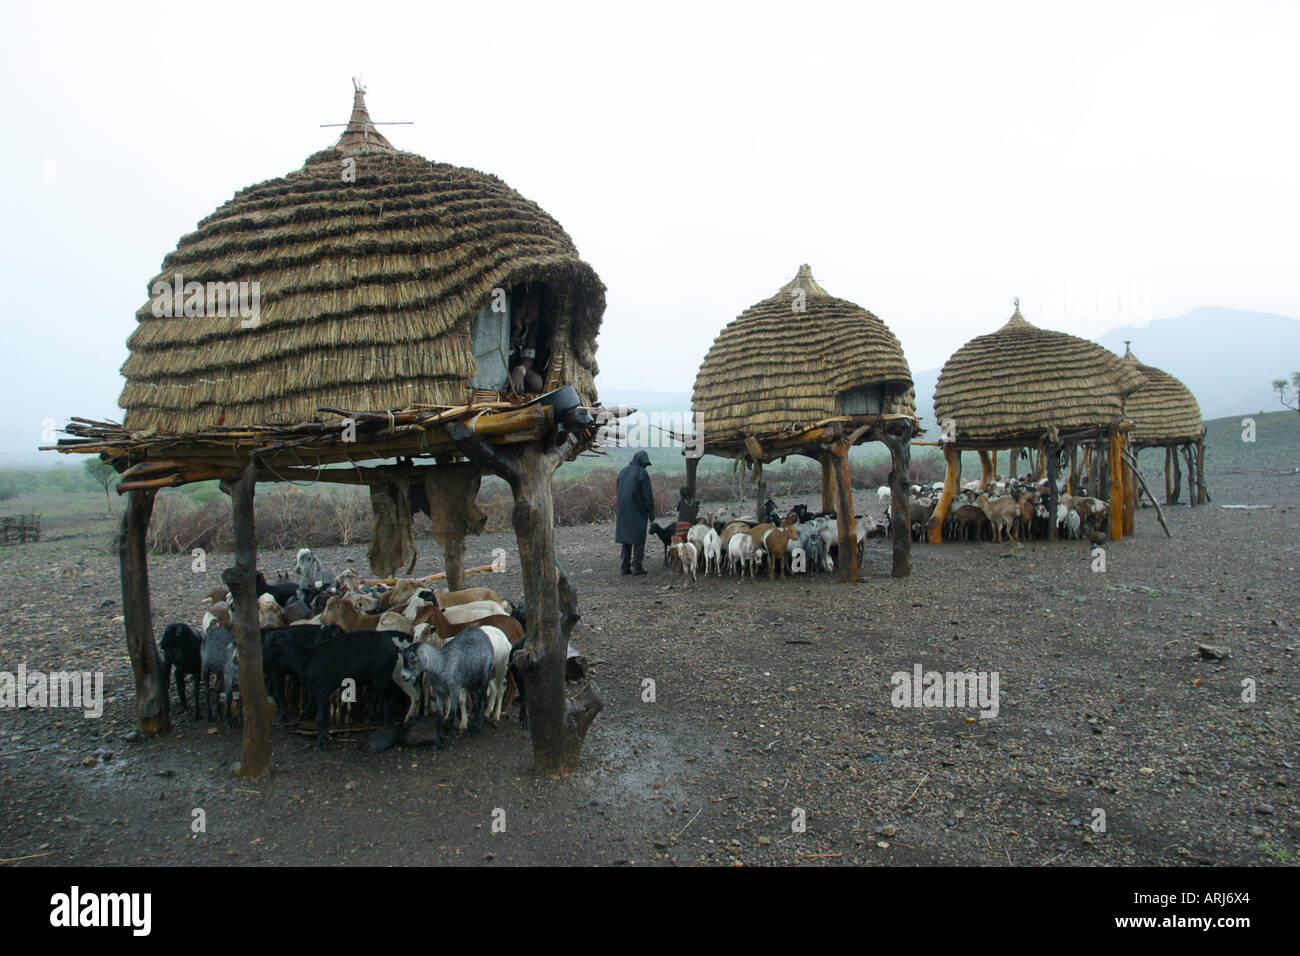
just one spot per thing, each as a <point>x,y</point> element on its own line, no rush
<point>771,702</point>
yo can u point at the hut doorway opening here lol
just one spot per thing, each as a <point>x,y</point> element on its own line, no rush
<point>513,337</point>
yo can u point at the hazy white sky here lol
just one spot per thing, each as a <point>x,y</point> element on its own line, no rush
<point>1105,162</point>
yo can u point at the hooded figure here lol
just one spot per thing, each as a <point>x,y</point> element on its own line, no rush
<point>636,506</point>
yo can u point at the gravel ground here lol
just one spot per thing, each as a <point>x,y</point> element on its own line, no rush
<point>771,706</point>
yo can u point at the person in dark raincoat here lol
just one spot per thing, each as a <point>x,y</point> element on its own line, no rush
<point>636,507</point>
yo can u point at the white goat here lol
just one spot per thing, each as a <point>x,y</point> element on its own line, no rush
<point>687,555</point>
<point>713,553</point>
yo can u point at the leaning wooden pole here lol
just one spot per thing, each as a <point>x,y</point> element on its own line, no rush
<point>242,582</point>
<point>151,694</point>
<point>1131,461</point>
<point>952,475</point>
<point>1116,487</point>
<point>844,514</point>
<point>1191,475</point>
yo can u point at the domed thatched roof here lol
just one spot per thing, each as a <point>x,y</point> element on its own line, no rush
<point>1022,380</point>
<point>1165,410</point>
<point>370,264</point>
<point>775,368</point>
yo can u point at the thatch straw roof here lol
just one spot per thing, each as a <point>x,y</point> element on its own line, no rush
<point>1022,380</point>
<point>1165,410</point>
<point>367,288</point>
<point>774,368</point>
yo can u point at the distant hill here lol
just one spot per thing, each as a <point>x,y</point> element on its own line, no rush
<point>1227,357</point>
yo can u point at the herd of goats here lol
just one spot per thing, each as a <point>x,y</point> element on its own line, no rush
<point>805,542</point>
<point>351,649</point>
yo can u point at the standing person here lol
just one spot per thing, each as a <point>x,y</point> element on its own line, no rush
<point>636,506</point>
<point>688,510</point>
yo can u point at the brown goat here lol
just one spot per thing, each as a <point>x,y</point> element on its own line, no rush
<point>339,610</point>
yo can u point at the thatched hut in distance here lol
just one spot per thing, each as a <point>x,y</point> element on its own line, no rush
<point>1165,414</point>
<point>1026,387</point>
<point>805,373</point>
<point>361,308</point>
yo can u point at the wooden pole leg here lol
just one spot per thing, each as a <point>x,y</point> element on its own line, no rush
<point>900,453</point>
<point>988,469</point>
<point>453,558</point>
<point>951,477</point>
<point>1116,486</point>
<point>844,514</point>
<point>153,711</point>
<point>242,582</point>
<point>828,481</point>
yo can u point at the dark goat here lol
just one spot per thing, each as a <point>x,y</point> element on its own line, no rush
<point>182,648</point>
<point>273,670</point>
<point>218,655</point>
<point>367,657</point>
<point>665,535</point>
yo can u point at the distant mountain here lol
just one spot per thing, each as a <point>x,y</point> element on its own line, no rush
<point>1227,357</point>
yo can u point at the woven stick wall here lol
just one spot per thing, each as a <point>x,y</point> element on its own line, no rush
<point>1022,379</point>
<point>774,368</point>
<point>1163,412</point>
<point>366,289</point>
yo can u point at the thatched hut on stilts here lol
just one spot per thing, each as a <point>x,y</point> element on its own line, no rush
<point>1026,388</point>
<point>1165,414</point>
<point>373,293</point>
<point>805,373</point>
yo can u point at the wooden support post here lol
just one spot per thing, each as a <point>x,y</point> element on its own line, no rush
<point>760,490</point>
<point>692,466</point>
<point>1070,481</point>
<point>1202,491</point>
<point>988,469</point>
<point>1191,477</point>
<point>900,514</point>
<point>828,482</point>
<point>558,725</point>
<point>1178,476</point>
<point>1116,485</point>
<point>1130,494</point>
<point>1052,461</point>
<point>453,559</point>
<point>257,708</point>
<point>151,694</point>
<point>952,475</point>
<point>844,514</point>
<point>1169,478</point>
